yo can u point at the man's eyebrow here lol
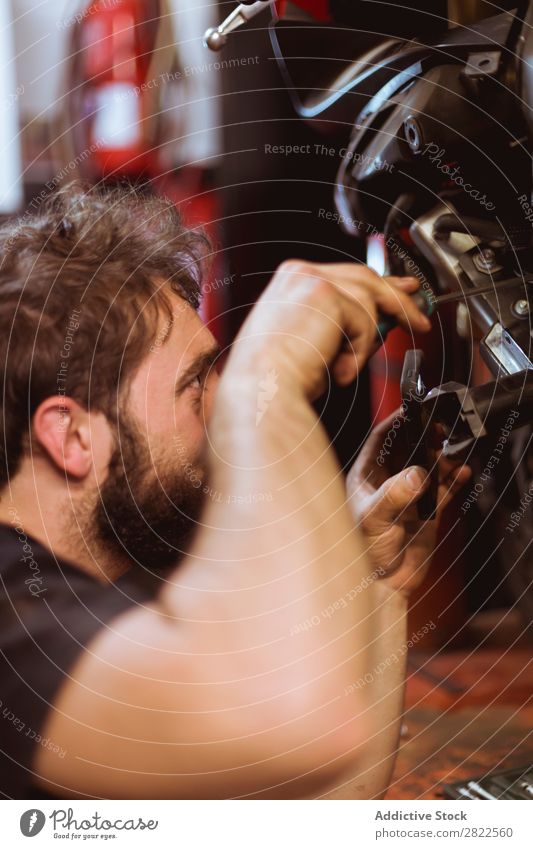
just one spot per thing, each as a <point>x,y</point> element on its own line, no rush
<point>203,361</point>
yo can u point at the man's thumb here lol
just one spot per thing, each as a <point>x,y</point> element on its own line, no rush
<point>396,494</point>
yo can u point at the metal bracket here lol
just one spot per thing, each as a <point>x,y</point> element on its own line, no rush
<point>484,64</point>
<point>506,351</point>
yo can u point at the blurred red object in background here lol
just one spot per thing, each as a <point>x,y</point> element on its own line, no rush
<point>120,51</point>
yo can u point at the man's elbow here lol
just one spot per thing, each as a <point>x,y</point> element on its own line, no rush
<point>314,740</point>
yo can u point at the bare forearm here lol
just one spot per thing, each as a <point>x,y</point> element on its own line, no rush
<point>384,683</point>
<point>283,552</point>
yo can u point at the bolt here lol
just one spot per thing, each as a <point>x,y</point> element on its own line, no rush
<point>485,260</point>
<point>521,307</point>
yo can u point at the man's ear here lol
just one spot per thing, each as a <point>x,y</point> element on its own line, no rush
<point>62,428</point>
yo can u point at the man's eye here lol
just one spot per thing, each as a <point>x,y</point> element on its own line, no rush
<point>196,382</point>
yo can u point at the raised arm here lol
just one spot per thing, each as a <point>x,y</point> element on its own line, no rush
<point>236,682</point>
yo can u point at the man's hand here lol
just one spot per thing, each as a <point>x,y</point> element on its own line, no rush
<point>383,503</point>
<point>313,317</point>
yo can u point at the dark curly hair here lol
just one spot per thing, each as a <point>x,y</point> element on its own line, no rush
<point>83,283</point>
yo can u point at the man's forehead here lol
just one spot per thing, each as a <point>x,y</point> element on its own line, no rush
<point>184,327</point>
<point>180,345</point>
<point>182,338</point>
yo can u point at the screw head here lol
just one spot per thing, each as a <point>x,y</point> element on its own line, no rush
<point>521,307</point>
<point>485,260</point>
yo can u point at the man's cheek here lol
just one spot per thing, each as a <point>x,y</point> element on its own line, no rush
<point>184,454</point>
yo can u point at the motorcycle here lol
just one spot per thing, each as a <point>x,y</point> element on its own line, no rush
<point>438,172</point>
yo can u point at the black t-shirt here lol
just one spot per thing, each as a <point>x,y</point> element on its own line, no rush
<point>49,611</point>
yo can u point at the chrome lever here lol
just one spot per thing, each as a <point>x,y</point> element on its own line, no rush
<point>215,38</point>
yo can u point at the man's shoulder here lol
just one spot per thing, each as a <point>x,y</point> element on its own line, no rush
<point>29,567</point>
<point>42,594</point>
<point>50,610</point>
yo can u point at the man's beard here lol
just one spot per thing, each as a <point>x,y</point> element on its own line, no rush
<point>144,515</point>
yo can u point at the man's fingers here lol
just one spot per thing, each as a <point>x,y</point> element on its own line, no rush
<point>360,334</point>
<point>406,284</point>
<point>390,296</point>
<point>387,437</point>
<point>394,497</point>
<point>452,484</point>
<point>399,304</point>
